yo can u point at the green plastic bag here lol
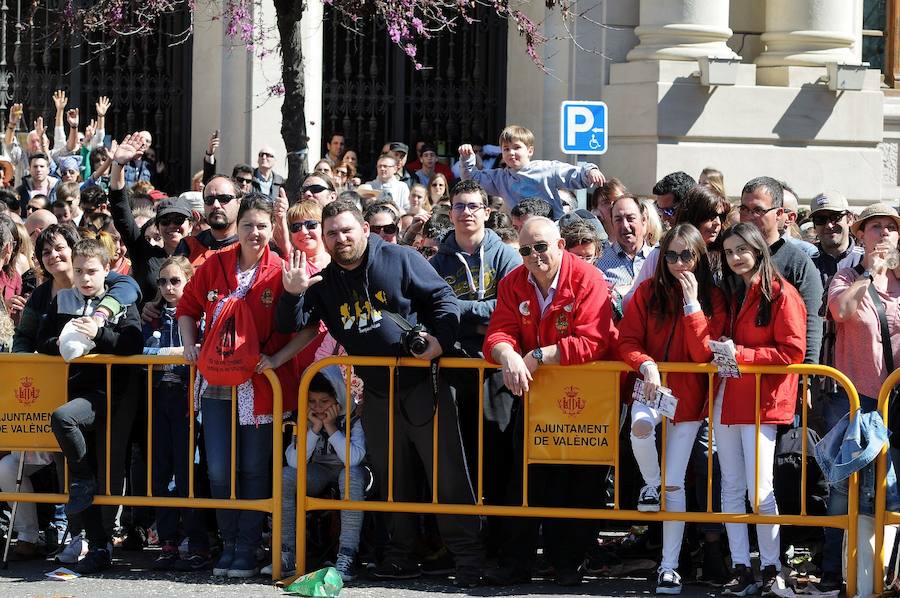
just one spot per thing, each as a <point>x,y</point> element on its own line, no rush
<point>324,582</point>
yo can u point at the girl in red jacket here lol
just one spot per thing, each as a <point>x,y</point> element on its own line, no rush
<point>670,318</point>
<point>767,321</point>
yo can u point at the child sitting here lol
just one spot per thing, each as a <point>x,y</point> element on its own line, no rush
<point>86,408</point>
<point>326,458</point>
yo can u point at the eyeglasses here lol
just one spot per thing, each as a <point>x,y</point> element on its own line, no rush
<point>438,184</point>
<point>755,212</point>
<point>684,256</point>
<point>175,281</point>
<point>539,247</point>
<point>296,227</point>
<point>222,198</point>
<point>459,208</point>
<point>177,220</point>
<point>323,171</point>
<point>428,251</point>
<point>243,181</point>
<point>342,172</point>
<point>266,155</point>
<point>822,219</point>
<point>387,229</point>
<point>315,189</point>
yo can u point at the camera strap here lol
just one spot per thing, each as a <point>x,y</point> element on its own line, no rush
<point>435,370</point>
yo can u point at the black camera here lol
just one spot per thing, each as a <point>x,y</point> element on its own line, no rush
<point>412,342</point>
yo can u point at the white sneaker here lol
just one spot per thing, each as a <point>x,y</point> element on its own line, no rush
<point>668,582</point>
<point>344,566</point>
<point>648,502</point>
<point>287,565</point>
<point>74,551</point>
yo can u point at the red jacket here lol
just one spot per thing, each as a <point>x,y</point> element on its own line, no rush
<point>781,342</point>
<point>578,321</point>
<point>643,336</point>
<point>215,279</point>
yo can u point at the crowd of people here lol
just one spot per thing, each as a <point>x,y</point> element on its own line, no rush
<point>426,260</point>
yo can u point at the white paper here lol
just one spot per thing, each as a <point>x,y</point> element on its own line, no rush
<point>61,574</point>
<point>73,344</point>
<point>725,358</point>
<point>664,401</point>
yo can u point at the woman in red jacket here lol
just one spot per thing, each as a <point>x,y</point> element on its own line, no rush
<point>250,273</point>
<point>767,321</point>
<point>670,318</point>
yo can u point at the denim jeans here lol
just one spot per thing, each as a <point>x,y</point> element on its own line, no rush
<point>171,433</point>
<point>318,478</point>
<point>254,450</point>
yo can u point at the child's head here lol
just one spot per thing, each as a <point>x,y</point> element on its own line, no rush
<point>517,145</point>
<point>90,262</point>
<point>321,395</point>
<point>173,276</point>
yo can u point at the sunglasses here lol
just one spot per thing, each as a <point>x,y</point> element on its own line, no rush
<point>387,229</point>
<point>667,212</point>
<point>830,218</point>
<point>459,208</point>
<point>315,189</point>
<point>172,281</point>
<point>428,251</point>
<point>684,256</point>
<point>539,247</point>
<point>244,181</point>
<point>266,155</point>
<point>296,227</point>
<point>222,198</point>
<point>169,220</point>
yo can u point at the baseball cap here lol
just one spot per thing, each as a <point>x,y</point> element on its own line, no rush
<point>194,200</point>
<point>397,146</point>
<point>428,147</point>
<point>832,201</point>
<point>173,205</point>
<point>872,211</point>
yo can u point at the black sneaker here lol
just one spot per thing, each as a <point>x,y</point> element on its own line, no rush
<point>439,563</point>
<point>509,575</point>
<point>395,570</point>
<point>714,571</point>
<point>167,558</point>
<point>466,579</point>
<point>668,582</point>
<point>648,502</point>
<point>194,561</point>
<point>770,580</point>
<point>568,577</point>
<point>96,560</point>
<point>81,495</point>
<point>135,539</point>
<point>742,583</point>
<point>830,582</point>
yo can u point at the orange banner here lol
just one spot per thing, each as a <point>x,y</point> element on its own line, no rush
<point>26,402</point>
<point>572,416</point>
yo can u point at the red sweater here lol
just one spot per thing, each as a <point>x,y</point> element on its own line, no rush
<point>216,279</point>
<point>781,342</point>
<point>643,337</point>
<point>578,320</point>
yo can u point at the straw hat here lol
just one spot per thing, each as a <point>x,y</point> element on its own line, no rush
<point>873,211</point>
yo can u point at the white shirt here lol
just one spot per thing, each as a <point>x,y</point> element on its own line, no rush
<point>551,292</point>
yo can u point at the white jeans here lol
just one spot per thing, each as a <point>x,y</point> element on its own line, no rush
<point>26,524</point>
<point>737,455</point>
<point>679,444</point>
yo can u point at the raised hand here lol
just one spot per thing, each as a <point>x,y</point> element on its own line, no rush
<point>281,205</point>
<point>128,148</point>
<point>89,131</point>
<point>39,127</point>
<point>72,118</point>
<point>60,100</point>
<point>102,106</point>
<point>465,150</point>
<point>294,276</point>
<point>15,114</point>
<point>213,144</point>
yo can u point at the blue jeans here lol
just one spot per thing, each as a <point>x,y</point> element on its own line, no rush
<point>318,478</point>
<point>254,450</point>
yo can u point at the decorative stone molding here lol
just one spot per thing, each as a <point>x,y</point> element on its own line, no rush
<point>809,33</point>
<point>682,30</point>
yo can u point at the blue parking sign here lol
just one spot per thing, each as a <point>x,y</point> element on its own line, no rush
<point>583,127</point>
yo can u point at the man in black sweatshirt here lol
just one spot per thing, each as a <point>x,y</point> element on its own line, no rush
<point>367,278</point>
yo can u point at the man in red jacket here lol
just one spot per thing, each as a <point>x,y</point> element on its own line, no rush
<point>553,309</point>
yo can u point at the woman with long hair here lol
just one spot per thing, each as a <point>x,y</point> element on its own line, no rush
<point>671,318</point>
<point>767,322</point>
<point>438,190</point>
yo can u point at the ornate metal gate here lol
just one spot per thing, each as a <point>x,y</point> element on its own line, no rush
<point>147,79</point>
<point>373,94</point>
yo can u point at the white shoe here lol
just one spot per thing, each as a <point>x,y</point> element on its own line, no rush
<point>287,565</point>
<point>648,501</point>
<point>668,582</point>
<point>74,551</point>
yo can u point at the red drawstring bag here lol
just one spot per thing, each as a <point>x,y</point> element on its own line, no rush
<point>230,350</point>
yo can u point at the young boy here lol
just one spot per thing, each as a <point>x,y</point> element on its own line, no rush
<point>524,177</point>
<point>86,409</point>
<point>326,448</point>
<point>387,181</point>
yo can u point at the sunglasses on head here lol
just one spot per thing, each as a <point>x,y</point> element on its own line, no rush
<point>175,281</point>
<point>177,220</point>
<point>222,198</point>
<point>315,189</point>
<point>539,247</point>
<point>296,227</point>
<point>387,229</point>
<point>428,251</point>
<point>827,218</point>
<point>685,255</point>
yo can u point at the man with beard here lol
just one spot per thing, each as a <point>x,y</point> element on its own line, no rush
<point>221,201</point>
<point>359,296</point>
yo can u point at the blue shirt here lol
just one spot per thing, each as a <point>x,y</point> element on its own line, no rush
<point>619,269</point>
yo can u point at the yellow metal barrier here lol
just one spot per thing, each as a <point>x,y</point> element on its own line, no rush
<point>37,384</point>
<point>882,515</point>
<point>305,503</point>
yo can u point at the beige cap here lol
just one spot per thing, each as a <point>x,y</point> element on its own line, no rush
<point>832,201</point>
<point>872,211</point>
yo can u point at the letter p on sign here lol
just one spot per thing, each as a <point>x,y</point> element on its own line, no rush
<point>583,127</point>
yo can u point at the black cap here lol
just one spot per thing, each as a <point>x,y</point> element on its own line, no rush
<point>397,146</point>
<point>173,205</point>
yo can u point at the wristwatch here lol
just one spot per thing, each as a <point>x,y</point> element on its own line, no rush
<point>866,274</point>
<point>538,355</point>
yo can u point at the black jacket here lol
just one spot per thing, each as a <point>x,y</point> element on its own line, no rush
<point>146,259</point>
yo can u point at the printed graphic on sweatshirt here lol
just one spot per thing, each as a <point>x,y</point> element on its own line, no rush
<point>460,283</point>
<point>361,313</point>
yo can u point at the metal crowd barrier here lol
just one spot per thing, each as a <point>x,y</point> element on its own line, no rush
<point>607,380</point>
<point>882,515</point>
<point>32,386</point>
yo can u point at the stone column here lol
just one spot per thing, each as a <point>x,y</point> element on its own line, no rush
<point>682,30</point>
<point>809,33</point>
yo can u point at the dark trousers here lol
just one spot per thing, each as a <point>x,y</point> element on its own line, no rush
<point>415,443</point>
<point>171,435</point>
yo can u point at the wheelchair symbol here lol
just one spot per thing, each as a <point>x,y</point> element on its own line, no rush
<point>593,143</point>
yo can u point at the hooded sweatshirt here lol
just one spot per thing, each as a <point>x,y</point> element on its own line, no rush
<point>350,302</point>
<point>473,278</point>
<point>332,450</point>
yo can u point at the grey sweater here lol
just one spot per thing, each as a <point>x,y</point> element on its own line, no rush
<point>799,270</point>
